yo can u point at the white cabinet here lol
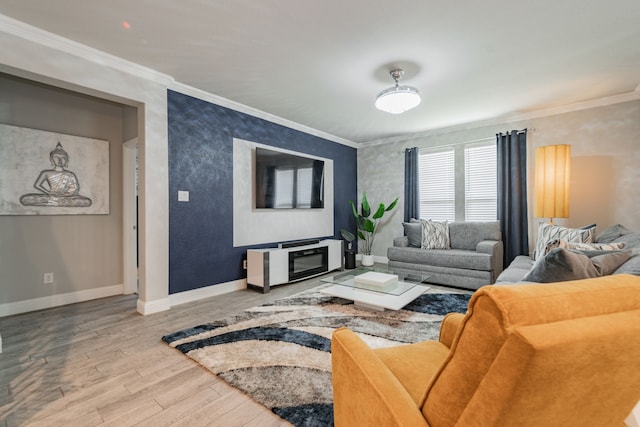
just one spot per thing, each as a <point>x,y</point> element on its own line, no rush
<point>275,266</point>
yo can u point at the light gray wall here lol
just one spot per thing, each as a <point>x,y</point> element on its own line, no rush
<point>605,178</point>
<point>130,125</point>
<point>83,251</point>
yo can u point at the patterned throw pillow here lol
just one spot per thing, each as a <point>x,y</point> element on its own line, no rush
<point>435,235</point>
<point>548,232</point>
<point>559,243</point>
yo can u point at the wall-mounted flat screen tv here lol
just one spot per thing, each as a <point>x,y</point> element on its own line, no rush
<point>288,181</point>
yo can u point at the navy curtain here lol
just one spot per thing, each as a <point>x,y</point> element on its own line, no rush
<point>411,194</point>
<point>512,193</point>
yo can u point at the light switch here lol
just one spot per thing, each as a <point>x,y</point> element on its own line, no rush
<point>183,196</point>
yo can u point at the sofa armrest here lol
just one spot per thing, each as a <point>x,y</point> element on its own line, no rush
<point>495,248</point>
<point>365,391</point>
<point>449,328</point>
<point>401,242</point>
<point>488,246</point>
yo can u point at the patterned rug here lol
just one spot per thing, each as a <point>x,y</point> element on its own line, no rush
<point>279,354</point>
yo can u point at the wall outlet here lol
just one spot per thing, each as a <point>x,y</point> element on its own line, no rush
<point>183,196</point>
<point>48,278</point>
<point>244,264</point>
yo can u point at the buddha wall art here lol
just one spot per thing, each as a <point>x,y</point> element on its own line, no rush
<point>46,173</point>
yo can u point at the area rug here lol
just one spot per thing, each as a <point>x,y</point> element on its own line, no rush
<point>279,353</point>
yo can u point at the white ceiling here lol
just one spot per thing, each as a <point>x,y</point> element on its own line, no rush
<point>321,63</point>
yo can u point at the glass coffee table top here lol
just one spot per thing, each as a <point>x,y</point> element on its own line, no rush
<point>406,281</point>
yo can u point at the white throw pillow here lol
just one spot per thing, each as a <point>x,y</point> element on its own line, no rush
<point>548,232</point>
<point>435,235</point>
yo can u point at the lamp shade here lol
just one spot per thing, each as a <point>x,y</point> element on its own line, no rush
<point>398,99</point>
<point>553,169</point>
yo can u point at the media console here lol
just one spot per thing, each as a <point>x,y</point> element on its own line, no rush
<point>289,263</point>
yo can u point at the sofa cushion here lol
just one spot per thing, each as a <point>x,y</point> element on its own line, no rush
<point>435,235</point>
<point>467,235</point>
<point>414,364</point>
<point>610,234</point>
<point>561,264</point>
<point>451,258</point>
<point>413,231</point>
<point>632,266</point>
<point>548,232</point>
<point>518,268</point>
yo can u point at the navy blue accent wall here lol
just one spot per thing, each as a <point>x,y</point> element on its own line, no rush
<point>201,251</point>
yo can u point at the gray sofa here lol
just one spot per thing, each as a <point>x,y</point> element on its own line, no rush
<point>522,265</point>
<point>474,259</point>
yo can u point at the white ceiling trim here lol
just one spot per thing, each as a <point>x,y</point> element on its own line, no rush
<point>54,41</point>
<point>45,38</point>
<point>51,40</point>
<point>510,118</point>
<point>224,102</point>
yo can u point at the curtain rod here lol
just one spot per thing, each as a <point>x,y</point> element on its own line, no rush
<point>471,141</point>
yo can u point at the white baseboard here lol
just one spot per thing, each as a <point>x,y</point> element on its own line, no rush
<point>9,309</point>
<point>151,307</point>
<point>207,292</point>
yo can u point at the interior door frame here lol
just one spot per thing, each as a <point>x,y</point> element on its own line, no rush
<point>129,216</point>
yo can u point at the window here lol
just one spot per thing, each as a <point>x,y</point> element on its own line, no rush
<point>480,183</point>
<point>459,183</point>
<point>436,181</point>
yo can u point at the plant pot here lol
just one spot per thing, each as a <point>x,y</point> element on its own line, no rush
<point>349,259</point>
<point>367,260</point>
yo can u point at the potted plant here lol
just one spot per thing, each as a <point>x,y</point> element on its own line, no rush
<point>368,224</point>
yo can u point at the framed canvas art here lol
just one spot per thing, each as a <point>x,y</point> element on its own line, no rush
<point>46,173</point>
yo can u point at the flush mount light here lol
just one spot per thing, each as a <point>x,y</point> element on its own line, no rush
<point>397,99</point>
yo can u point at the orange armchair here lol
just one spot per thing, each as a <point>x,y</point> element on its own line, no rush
<point>561,354</point>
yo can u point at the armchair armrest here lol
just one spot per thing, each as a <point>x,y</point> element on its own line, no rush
<point>365,391</point>
<point>449,328</point>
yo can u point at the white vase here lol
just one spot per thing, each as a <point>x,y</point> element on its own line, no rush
<point>367,260</point>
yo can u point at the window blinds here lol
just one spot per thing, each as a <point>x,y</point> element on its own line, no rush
<point>437,185</point>
<point>480,172</point>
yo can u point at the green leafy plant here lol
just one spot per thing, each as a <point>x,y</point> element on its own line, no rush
<point>368,224</point>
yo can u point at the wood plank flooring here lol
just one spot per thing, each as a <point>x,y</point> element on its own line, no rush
<point>100,363</point>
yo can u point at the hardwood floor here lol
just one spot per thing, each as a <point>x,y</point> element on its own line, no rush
<point>100,363</point>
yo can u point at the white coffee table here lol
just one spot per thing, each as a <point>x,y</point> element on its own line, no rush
<point>392,297</point>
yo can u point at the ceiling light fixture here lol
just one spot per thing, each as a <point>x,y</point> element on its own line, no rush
<point>398,99</point>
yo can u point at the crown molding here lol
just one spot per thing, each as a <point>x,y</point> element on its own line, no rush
<point>45,38</point>
<point>513,117</point>
<point>54,41</point>
<point>227,103</point>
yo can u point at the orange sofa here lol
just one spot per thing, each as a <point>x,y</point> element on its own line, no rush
<point>560,354</point>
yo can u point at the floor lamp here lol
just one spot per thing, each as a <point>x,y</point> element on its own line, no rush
<point>553,169</point>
